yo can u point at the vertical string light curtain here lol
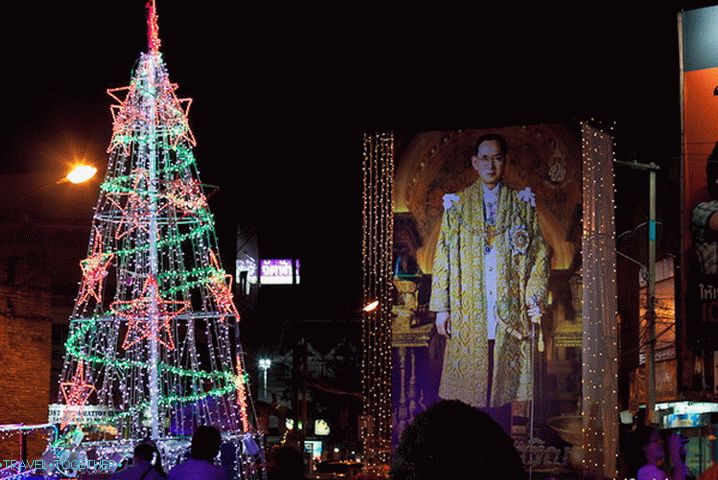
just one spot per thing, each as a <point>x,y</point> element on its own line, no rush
<point>377,241</point>
<point>600,377</point>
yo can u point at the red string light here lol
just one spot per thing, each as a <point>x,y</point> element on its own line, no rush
<point>153,29</point>
<point>242,396</point>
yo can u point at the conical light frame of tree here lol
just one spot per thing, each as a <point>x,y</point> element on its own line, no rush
<point>154,324</point>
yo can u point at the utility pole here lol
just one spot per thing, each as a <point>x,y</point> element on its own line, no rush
<point>652,168</point>
<point>299,372</point>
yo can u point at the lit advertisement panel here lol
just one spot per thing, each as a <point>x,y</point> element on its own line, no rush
<point>279,272</point>
<point>247,266</point>
<point>699,100</point>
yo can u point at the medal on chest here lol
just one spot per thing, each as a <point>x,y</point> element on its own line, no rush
<point>490,211</point>
<point>489,238</point>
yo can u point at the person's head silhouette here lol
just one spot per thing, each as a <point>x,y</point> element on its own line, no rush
<point>454,440</point>
<point>206,441</point>
<point>147,452</point>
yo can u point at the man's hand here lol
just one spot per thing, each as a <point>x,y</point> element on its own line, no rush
<point>443,324</point>
<point>534,311</point>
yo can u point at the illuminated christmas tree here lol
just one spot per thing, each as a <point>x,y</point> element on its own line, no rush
<point>153,348</point>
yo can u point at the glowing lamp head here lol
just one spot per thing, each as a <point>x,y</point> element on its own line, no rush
<point>81,173</point>
<point>371,306</point>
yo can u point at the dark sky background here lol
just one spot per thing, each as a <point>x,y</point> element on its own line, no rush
<point>282,94</point>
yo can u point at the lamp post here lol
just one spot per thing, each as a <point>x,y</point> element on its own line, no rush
<point>79,174</point>
<point>264,365</point>
<point>652,168</point>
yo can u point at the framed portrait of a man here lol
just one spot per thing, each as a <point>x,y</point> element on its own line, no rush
<point>488,310</point>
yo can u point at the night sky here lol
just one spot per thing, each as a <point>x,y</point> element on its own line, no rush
<point>283,93</point>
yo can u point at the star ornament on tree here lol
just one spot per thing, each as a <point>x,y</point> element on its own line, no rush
<point>220,286</point>
<point>94,271</point>
<point>174,112</point>
<point>123,119</point>
<point>186,196</point>
<point>76,393</point>
<point>131,111</point>
<point>135,214</point>
<point>139,316</point>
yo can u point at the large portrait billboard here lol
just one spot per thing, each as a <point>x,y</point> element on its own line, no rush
<point>699,81</point>
<point>487,309</point>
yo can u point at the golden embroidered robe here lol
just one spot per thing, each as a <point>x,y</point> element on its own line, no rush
<point>458,287</point>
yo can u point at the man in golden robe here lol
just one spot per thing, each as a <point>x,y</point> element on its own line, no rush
<point>489,283</point>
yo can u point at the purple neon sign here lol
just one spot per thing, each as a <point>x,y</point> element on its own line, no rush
<point>279,271</point>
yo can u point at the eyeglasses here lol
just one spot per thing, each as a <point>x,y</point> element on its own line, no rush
<point>486,160</point>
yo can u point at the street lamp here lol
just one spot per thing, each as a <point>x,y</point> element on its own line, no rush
<point>371,306</point>
<point>264,365</point>
<point>79,174</point>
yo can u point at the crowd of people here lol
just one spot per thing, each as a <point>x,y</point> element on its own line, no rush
<point>147,461</point>
<point>644,457</point>
<point>444,441</point>
<point>451,438</point>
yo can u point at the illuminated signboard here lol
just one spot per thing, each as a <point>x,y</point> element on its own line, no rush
<point>313,447</point>
<point>246,268</point>
<point>56,412</point>
<point>279,272</point>
<point>685,420</point>
<point>321,427</point>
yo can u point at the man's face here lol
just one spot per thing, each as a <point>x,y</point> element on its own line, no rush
<point>490,162</point>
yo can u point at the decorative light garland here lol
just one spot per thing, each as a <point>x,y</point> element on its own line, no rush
<point>600,340</point>
<point>377,242</point>
<point>242,394</point>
